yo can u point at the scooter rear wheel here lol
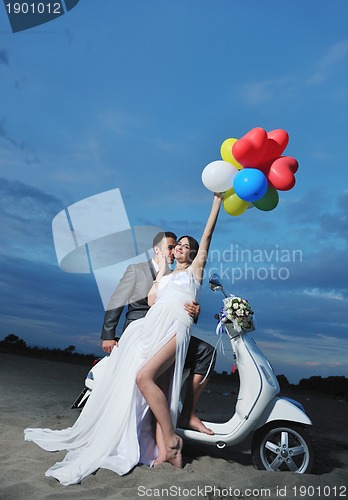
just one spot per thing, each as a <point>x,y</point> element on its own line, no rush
<point>284,446</point>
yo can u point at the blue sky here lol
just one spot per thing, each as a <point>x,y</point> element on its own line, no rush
<point>139,96</point>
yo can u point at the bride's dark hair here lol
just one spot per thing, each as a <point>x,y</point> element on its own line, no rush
<point>194,246</point>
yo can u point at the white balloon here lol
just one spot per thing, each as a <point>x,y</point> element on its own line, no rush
<point>218,176</point>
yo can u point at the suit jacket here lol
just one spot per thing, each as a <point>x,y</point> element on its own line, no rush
<point>133,290</point>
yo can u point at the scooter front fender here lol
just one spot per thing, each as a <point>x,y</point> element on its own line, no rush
<point>283,409</point>
<point>96,372</point>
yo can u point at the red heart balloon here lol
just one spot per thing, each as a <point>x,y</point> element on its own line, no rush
<point>281,173</point>
<point>280,137</point>
<point>250,149</point>
<point>277,140</point>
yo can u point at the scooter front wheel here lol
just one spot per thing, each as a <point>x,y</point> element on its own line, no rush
<point>284,446</point>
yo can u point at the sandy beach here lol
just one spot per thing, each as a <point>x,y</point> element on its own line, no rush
<point>39,393</point>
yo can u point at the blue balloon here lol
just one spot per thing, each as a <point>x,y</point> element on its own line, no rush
<point>250,184</point>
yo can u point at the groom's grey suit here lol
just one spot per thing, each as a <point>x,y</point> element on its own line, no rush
<point>132,290</point>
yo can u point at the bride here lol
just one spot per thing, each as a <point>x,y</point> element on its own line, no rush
<point>141,382</point>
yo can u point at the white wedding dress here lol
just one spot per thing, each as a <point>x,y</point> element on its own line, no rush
<point>114,430</point>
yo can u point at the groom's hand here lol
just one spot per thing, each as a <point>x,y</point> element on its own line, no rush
<point>193,309</point>
<point>108,345</point>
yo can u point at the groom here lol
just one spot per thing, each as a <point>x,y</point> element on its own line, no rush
<point>133,289</point>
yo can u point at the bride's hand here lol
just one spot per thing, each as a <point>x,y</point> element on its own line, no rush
<point>162,263</point>
<point>219,196</point>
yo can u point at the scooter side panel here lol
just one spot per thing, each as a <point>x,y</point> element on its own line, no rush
<point>283,409</point>
<point>258,383</point>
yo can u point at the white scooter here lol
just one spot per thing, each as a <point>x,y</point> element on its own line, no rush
<point>281,439</point>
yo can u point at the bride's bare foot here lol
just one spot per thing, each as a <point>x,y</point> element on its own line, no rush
<point>196,425</point>
<point>174,455</point>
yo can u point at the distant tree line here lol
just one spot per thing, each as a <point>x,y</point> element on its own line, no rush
<point>337,386</point>
<point>12,344</point>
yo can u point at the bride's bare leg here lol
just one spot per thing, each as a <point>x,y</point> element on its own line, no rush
<point>163,382</point>
<point>156,399</point>
<point>162,450</point>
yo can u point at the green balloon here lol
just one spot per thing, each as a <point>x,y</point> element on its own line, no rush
<point>269,201</point>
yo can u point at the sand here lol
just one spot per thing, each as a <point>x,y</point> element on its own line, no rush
<point>38,393</point>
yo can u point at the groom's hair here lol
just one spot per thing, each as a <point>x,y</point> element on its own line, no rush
<point>194,246</point>
<point>163,234</point>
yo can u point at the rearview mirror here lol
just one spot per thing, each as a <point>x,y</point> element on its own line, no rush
<point>215,283</point>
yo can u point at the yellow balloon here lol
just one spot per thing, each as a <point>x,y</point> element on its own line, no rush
<point>226,152</point>
<point>234,205</point>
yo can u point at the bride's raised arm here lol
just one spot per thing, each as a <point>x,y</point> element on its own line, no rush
<point>200,260</point>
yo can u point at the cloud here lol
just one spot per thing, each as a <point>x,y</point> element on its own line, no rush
<point>70,36</point>
<point>256,93</point>
<point>43,287</point>
<point>330,295</point>
<point>117,121</point>
<point>336,222</point>
<point>334,57</point>
<point>321,217</point>
<point>26,215</point>
<point>298,348</point>
<point>18,196</point>
<point>4,57</point>
<point>6,136</point>
<point>285,87</point>
<point>14,143</point>
<point>48,307</point>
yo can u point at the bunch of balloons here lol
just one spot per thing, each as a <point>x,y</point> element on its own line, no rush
<point>252,170</point>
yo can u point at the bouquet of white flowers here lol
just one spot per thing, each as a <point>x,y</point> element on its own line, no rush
<point>238,312</point>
